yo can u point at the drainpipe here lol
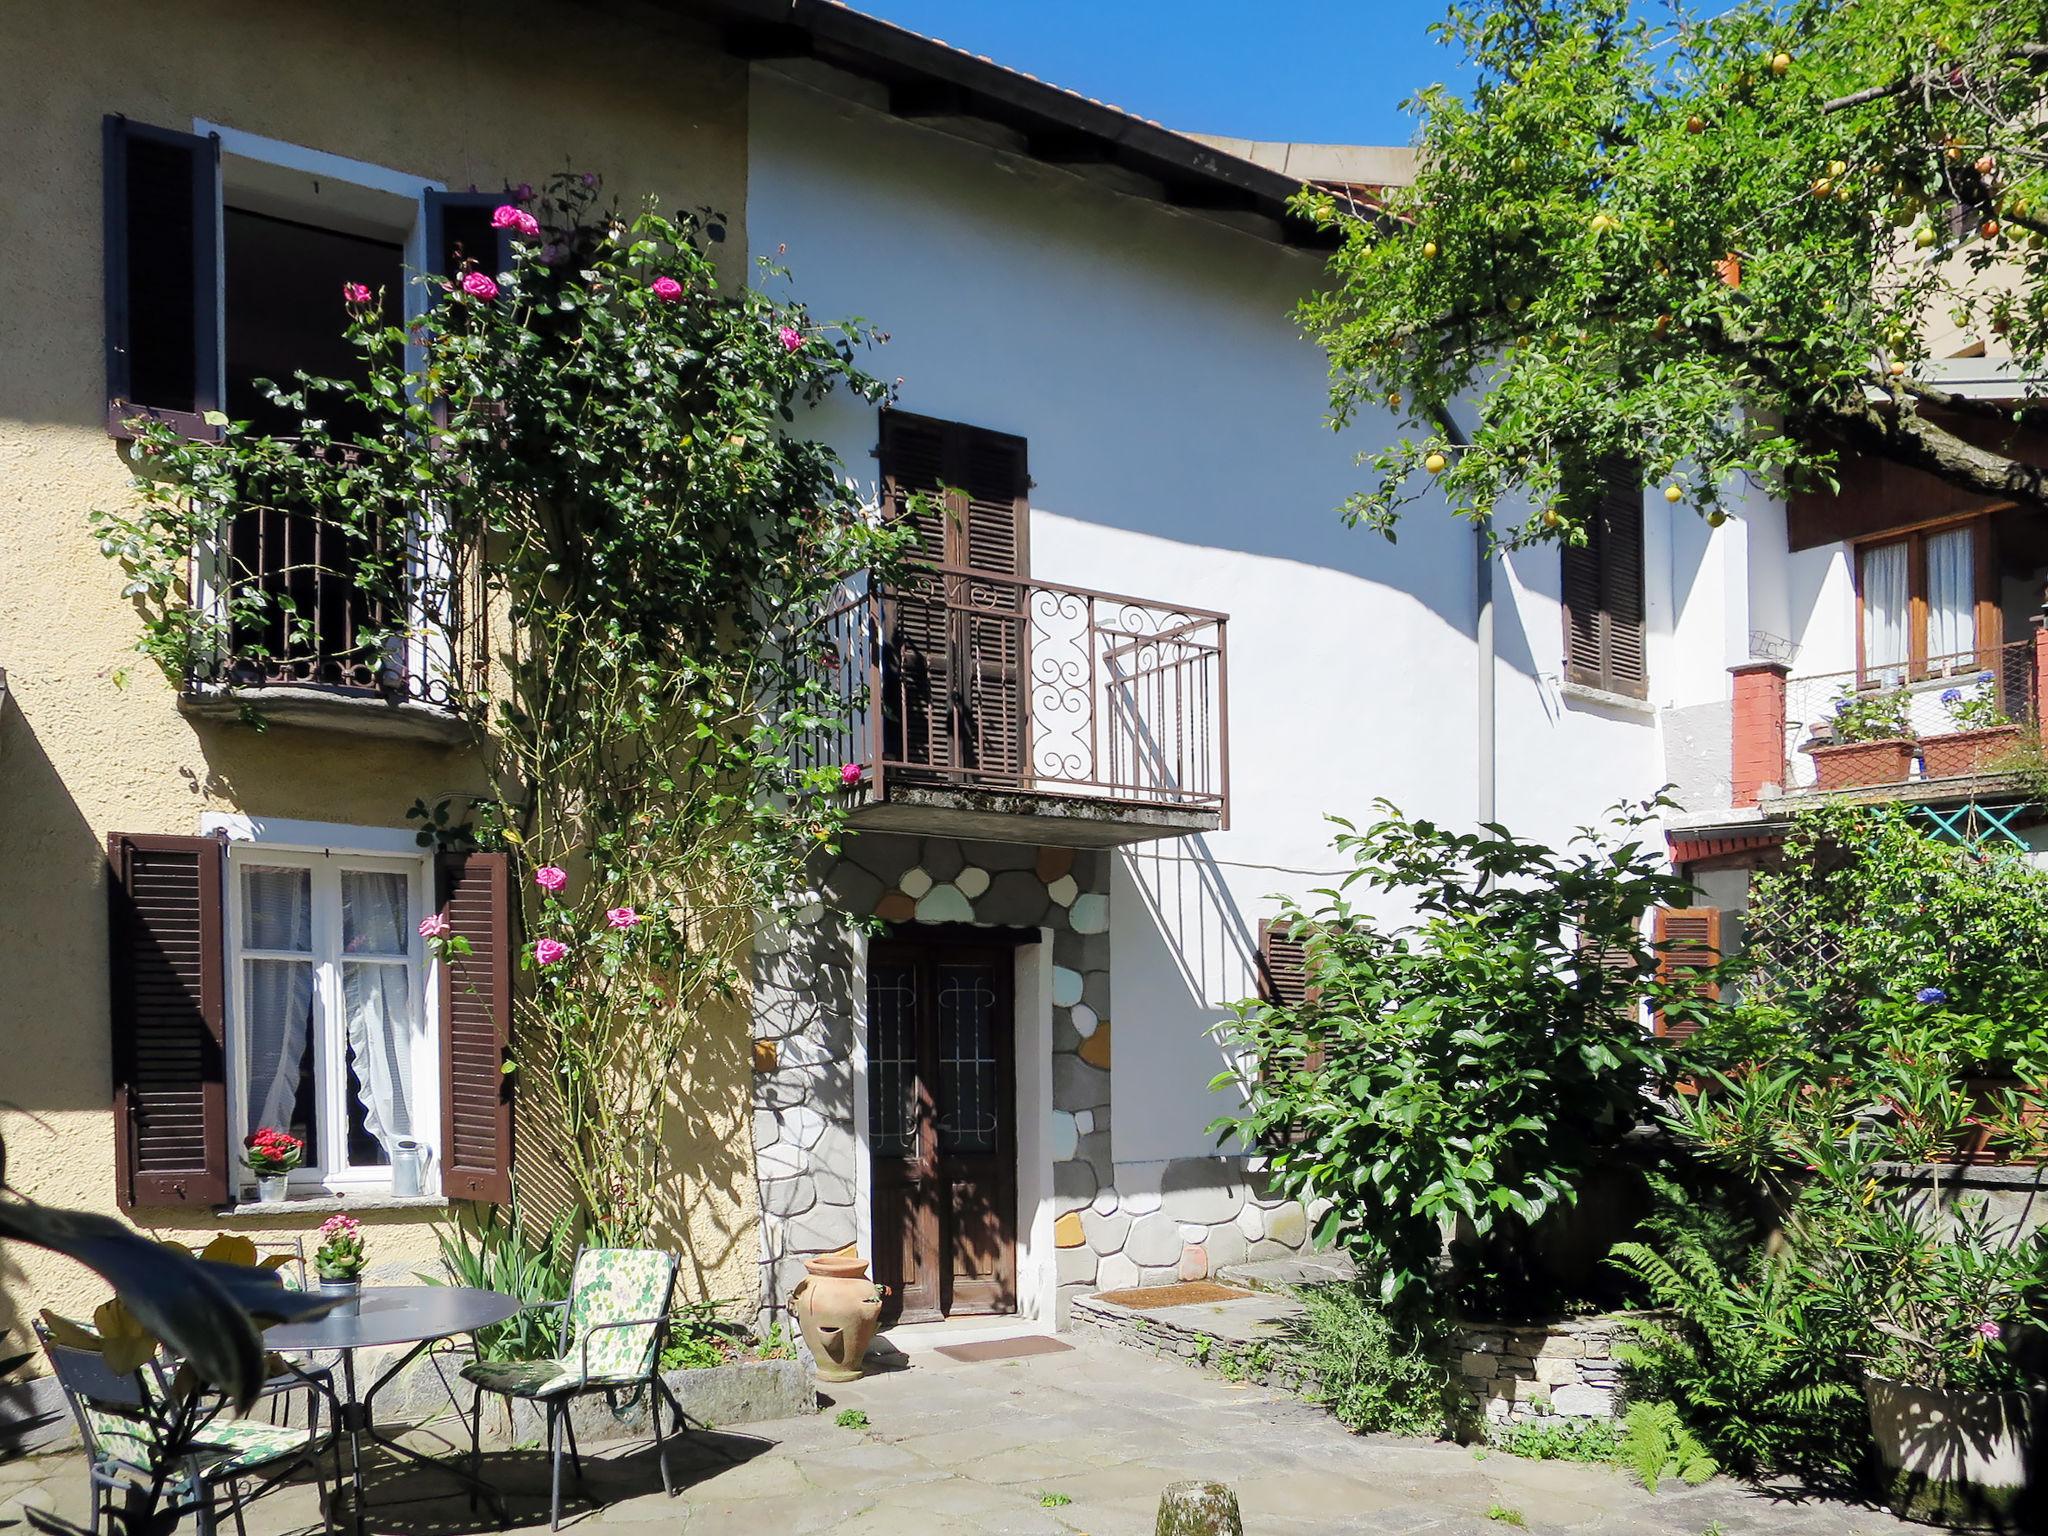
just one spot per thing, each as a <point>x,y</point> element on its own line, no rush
<point>1482,637</point>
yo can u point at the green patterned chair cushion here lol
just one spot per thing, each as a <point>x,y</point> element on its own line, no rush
<point>224,1447</point>
<point>610,1285</point>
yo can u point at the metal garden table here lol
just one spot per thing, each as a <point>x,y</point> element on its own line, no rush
<point>387,1315</point>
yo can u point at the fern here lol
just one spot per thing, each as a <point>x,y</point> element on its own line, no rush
<point>1655,1444</point>
<point>1763,1383</point>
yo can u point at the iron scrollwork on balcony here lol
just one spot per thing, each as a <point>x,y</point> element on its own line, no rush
<point>966,678</point>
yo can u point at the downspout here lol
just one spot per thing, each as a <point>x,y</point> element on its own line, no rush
<point>1484,759</point>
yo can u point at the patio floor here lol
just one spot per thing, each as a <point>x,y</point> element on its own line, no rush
<point>979,1447</point>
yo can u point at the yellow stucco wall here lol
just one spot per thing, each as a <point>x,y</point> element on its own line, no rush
<point>467,94</point>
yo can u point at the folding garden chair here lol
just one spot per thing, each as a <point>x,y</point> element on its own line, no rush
<point>305,1373</point>
<point>613,1327</point>
<point>122,1418</point>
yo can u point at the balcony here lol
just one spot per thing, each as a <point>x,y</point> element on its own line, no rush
<point>996,707</point>
<point>1944,728</point>
<point>319,651</point>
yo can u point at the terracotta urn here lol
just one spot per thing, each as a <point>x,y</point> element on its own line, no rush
<point>838,1307</point>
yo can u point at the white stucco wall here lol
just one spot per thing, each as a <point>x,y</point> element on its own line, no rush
<point>1178,450</point>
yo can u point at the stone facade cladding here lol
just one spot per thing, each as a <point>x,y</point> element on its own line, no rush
<point>1516,1372</point>
<point>1168,1221</point>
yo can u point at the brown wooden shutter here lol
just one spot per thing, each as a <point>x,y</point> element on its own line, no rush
<point>168,975</point>
<point>162,263</point>
<point>1602,589</point>
<point>960,644</point>
<point>1688,940</point>
<point>475,893</point>
<point>1283,965</point>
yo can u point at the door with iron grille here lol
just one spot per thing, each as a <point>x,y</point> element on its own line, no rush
<point>941,1126</point>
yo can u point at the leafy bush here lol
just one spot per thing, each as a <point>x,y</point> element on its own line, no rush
<point>1463,1073</point>
<point>494,1251</point>
<point>1594,1440</point>
<point>1760,1377</point>
<point>1375,1374</point>
<point>1655,1444</point>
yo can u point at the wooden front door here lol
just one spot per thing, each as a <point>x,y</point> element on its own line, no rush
<point>941,1127</point>
<point>954,646</point>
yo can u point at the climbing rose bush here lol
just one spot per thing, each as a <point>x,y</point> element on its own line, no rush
<point>607,430</point>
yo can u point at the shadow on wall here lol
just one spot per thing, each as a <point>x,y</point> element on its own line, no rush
<point>1185,951</point>
<point>53,940</point>
<point>704,1204</point>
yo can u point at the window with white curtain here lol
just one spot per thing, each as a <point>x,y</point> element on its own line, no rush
<point>330,1036</point>
<point>1918,595</point>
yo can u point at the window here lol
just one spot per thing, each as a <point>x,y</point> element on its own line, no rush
<point>225,260</point>
<point>1923,602</point>
<point>328,1032</point>
<point>1602,584</point>
<point>258,978</point>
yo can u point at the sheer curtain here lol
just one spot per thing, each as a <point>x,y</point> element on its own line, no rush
<point>1885,607</point>
<point>1952,594</point>
<point>277,907</point>
<point>383,1025</point>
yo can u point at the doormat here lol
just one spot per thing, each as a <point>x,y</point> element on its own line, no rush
<point>1187,1293</point>
<point>1003,1349</point>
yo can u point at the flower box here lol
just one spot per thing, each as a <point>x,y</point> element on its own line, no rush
<point>1959,754</point>
<point>1854,764</point>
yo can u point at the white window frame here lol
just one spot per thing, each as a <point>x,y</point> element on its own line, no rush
<point>428,653</point>
<point>325,848</point>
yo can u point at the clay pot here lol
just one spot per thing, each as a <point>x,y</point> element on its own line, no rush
<point>838,1307</point>
<point>1952,1458</point>
<point>1854,764</point>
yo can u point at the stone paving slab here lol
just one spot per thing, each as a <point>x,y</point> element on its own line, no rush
<point>976,1448</point>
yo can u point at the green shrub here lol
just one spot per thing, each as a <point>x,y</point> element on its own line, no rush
<point>851,1418</point>
<point>1373,1373</point>
<point>1468,1069</point>
<point>1594,1440</point>
<point>1756,1373</point>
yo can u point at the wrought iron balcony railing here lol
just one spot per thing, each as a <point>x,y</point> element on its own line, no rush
<point>960,679</point>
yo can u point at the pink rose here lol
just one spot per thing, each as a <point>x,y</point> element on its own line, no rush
<point>548,951</point>
<point>1988,1329</point>
<point>505,216</point>
<point>666,289</point>
<point>790,337</point>
<point>479,285</point>
<point>357,293</point>
<point>436,927</point>
<point>851,774</point>
<point>551,878</point>
<point>622,917</point>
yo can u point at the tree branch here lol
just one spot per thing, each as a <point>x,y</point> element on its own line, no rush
<point>1906,437</point>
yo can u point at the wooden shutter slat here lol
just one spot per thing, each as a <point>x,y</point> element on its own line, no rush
<point>1688,940</point>
<point>161,259</point>
<point>1601,590</point>
<point>475,894</point>
<point>168,1027</point>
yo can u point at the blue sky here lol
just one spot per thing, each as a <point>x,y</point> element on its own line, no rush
<point>1331,71</point>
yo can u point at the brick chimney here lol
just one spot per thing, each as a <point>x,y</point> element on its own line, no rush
<point>1757,737</point>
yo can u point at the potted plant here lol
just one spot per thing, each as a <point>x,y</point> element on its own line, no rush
<point>1984,734</point>
<point>340,1257</point>
<point>1868,740</point>
<point>272,1155</point>
<point>1940,1298</point>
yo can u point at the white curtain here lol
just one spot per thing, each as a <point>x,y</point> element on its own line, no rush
<point>1952,594</point>
<point>1885,608</point>
<point>383,1025</point>
<point>277,907</point>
